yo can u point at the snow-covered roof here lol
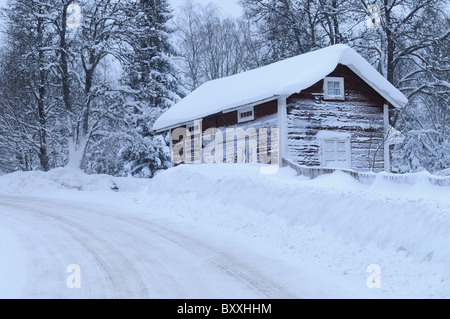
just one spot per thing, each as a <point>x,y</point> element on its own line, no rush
<point>282,78</point>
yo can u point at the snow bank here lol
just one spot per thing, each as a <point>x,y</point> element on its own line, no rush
<point>370,178</point>
<point>61,179</point>
<point>414,218</point>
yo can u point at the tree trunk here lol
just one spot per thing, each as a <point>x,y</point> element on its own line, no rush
<point>75,158</point>
<point>43,152</point>
<point>389,45</point>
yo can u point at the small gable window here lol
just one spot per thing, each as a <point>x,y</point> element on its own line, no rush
<point>333,88</point>
<point>246,114</point>
<point>193,129</point>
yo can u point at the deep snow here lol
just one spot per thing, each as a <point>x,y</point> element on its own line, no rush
<point>331,228</point>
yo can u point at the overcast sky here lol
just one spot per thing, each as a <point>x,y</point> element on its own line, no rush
<point>228,7</point>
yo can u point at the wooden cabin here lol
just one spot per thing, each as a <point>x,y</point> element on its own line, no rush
<point>327,108</point>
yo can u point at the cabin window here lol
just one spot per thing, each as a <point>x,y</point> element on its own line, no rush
<point>336,153</point>
<point>246,114</point>
<point>193,129</point>
<point>333,88</point>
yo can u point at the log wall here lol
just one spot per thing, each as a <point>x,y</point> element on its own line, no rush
<point>360,114</point>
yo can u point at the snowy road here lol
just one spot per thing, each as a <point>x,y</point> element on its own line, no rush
<point>123,255</point>
<point>120,256</point>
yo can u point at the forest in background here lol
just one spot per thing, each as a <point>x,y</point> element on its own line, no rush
<point>84,90</point>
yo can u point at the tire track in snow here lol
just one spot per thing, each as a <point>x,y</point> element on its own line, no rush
<point>245,274</point>
<point>33,233</point>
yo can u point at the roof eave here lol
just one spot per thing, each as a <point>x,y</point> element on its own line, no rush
<point>261,101</point>
<point>254,103</point>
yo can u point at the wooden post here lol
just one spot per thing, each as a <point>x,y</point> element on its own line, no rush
<point>282,129</point>
<point>387,158</point>
<point>171,147</point>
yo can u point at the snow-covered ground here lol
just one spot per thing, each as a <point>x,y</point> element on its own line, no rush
<point>222,231</point>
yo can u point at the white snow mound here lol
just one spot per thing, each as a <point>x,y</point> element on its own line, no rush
<point>59,179</point>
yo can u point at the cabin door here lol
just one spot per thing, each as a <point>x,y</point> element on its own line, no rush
<point>336,154</point>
